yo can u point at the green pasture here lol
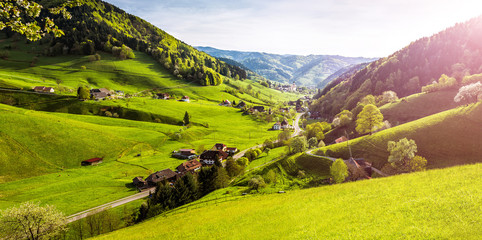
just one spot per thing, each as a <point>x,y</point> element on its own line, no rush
<point>436,204</point>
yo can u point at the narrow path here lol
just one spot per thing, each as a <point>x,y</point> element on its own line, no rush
<point>122,201</point>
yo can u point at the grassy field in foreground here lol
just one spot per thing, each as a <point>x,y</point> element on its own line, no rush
<point>445,139</point>
<point>436,204</point>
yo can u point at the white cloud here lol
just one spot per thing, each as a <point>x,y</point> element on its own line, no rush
<point>343,27</point>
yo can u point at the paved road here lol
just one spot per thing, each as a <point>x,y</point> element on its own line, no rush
<point>112,204</point>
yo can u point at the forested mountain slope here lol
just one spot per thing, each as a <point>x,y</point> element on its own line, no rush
<point>454,51</point>
<point>96,25</point>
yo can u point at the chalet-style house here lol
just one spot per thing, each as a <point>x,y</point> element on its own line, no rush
<point>341,139</point>
<point>276,126</point>
<point>164,96</point>
<point>189,166</point>
<point>209,157</point>
<point>361,164</point>
<point>231,150</point>
<point>225,103</point>
<point>91,162</point>
<point>219,147</point>
<point>139,183</point>
<point>241,104</point>
<point>185,99</point>
<point>100,93</point>
<point>166,174</point>
<point>184,153</point>
<point>284,124</point>
<point>41,89</point>
<point>258,108</point>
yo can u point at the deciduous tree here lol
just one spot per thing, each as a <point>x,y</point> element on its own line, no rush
<point>31,221</point>
<point>24,17</point>
<point>369,118</point>
<point>339,171</point>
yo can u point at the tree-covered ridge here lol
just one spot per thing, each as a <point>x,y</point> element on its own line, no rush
<point>454,52</point>
<point>99,26</point>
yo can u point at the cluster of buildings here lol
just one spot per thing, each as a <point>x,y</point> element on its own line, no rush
<point>207,158</point>
<point>103,93</point>
<point>287,88</point>
<point>281,125</point>
<point>166,96</point>
<point>42,89</point>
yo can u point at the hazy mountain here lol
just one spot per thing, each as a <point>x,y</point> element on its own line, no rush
<point>308,70</point>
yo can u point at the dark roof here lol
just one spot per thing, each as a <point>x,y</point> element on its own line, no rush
<point>284,122</point>
<point>213,155</point>
<point>219,146</point>
<point>259,108</point>
<point>138,180</point>
<point>165,174</point>
<point>189,166</point>
<point>92,160</point>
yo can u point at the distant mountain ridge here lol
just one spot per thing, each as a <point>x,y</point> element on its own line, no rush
<point>309,70</point>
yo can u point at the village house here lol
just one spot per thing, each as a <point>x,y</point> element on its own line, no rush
<point>189,166</point>
<point>284,124</point>
<point>225,103</point>
<point>185,99</point>
<point>184,153</point>
<point>258,108</point>
<point>91,162</point>
<point>231,150</point>
<point>41,89</point>
<point>276,126</point>
<point>166,174</point>
<point>100,93</point>
<point>341,139</point>
<point>219,147</point>
<point>241,104</point>
<point>139,183</point>
<point>209,157</point>
<point>360,163</point>
<point>164,96</point>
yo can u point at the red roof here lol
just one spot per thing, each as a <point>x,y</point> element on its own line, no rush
<point>94,160</point>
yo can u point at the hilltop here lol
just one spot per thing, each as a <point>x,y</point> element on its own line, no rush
<point>311,70</point>
<point>453,52</point>
<point>416,206</point>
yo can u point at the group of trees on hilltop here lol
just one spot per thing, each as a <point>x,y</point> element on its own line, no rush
<point>454,52</point>
<point>98,26</point>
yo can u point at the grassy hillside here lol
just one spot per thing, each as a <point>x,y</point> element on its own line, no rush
<point>41,152</point>
<point>436,204</point>
<point>448,138</point>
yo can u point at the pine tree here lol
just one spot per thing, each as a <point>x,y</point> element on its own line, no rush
<point>186,118</point>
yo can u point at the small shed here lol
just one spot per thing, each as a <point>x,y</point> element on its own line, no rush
<point>139,182</point>
<point>92,161</point>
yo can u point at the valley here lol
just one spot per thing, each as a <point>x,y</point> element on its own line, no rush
<point>115,129</point>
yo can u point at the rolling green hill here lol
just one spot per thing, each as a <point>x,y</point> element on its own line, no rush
<point>446,139</point>
<point>436,204</point>
<point>453,52</point>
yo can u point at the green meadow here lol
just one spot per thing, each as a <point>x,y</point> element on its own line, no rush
<point>435,204</point>
<point>447,138</point>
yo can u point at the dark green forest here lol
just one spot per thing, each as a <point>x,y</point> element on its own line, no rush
<point>454,52</point>
<point>99,26</point>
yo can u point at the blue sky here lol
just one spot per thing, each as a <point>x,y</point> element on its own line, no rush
<point>369,28</point>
